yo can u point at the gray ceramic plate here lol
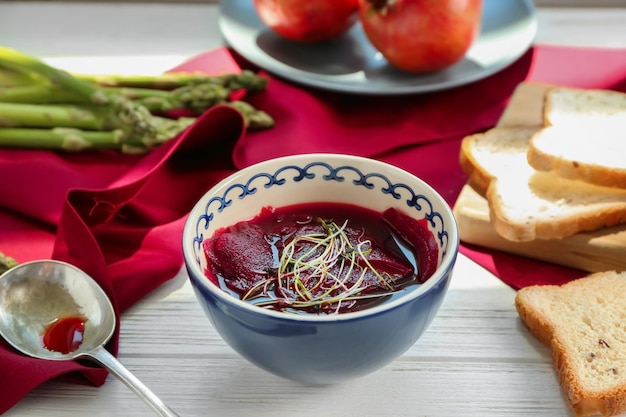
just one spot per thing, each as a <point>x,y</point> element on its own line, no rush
<point>351,64</point>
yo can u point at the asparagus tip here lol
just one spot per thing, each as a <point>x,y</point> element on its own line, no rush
<point>6,263</point>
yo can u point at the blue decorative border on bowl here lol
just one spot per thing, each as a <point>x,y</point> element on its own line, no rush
<point>419,202</point>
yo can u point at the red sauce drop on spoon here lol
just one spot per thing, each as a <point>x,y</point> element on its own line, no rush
<point>64,335</point>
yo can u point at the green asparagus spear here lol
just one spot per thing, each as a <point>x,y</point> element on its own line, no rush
<point>233,81</point>
<point>6,263</point>
<point>29,66</point>
<point>12,78</point>
<point>65,138</point>
<point>73,139</point>
<point>253,118</point>
<point>38,94</point>
<point>197,97</point>
<point>37,115</point>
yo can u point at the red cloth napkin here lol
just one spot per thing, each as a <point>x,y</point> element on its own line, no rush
<point>117,217</point>
<point>120,217</point>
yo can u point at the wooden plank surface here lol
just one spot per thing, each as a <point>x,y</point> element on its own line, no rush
<point>476,359</point>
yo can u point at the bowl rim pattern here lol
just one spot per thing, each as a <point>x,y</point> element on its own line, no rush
<point>247,181</point>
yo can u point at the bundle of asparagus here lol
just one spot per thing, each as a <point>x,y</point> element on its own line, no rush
<point>45,107</point>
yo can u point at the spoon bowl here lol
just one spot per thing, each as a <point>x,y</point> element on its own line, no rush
<point>34,295</point>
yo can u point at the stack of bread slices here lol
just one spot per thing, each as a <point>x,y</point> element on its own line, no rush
<point>549,180</point>
<point>555,167</point>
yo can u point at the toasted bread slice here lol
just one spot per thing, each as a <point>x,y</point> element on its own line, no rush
<point>584,324</point>
<point>525,204</point>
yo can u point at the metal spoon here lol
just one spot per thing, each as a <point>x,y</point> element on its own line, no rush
<point>35,294</point>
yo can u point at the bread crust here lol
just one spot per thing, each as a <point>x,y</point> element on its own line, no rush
<point>576,170</point>
<point>478,177</point>
<point>533,306</point>
<point>555,229</point>
<point>598,112</point>
<point>538,307</point>
<point>584,403</point>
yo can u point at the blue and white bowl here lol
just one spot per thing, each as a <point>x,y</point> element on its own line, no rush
<point>322,349</point>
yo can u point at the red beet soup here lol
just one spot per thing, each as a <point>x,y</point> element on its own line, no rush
<point>321,258</point>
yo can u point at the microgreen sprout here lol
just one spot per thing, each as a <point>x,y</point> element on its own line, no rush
<point>322,271</point>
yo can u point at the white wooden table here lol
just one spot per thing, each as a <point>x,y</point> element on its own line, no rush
<point>476,359</point>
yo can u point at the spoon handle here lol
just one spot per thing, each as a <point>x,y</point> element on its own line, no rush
<point>103,357</point>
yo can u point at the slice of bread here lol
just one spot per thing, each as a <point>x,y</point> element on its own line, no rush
<point>584,324</point>
<point>485,156</point>
<point>602,110</point>
<point>525,204</point>
<point>583,154</point>
<point>522,116</point>
<point>584,138</point>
